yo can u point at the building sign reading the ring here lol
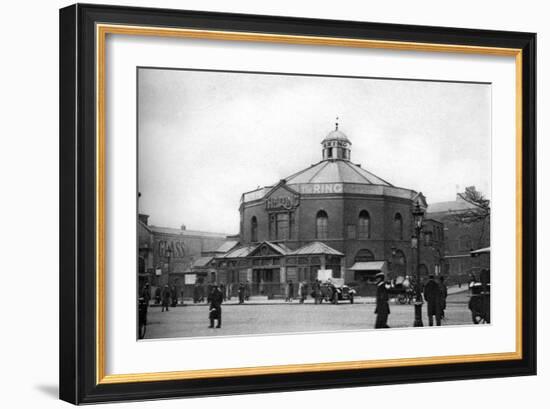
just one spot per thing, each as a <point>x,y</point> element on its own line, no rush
<point>322,188</point>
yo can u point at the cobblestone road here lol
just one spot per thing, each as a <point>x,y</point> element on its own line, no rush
<point>250,319</point>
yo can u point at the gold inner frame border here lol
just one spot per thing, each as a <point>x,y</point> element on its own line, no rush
<point>102,30</point>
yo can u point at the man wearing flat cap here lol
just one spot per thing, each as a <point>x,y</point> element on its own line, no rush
<point>215,312</point>
<point>382,307</point>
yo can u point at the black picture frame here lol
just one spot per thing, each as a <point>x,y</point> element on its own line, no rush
<point>78,235</point>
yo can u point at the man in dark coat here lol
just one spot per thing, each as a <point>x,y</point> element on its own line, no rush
<point>382,307</point>
<point>432,294</point>
<point>174,295</point>
<point>216,300</point>
<point>317,291</point>
<point>146,293</point>
<point>165,298</point>
<point>290,291</point>
<point>241,293</point>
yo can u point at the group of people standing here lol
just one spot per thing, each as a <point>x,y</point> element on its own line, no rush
<point>435,294</point>
<point>302,291</point>
<point>166,296</point>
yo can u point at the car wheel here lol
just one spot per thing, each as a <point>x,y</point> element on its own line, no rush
<point>476,317</point>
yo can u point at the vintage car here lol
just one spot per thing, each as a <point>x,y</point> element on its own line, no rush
<point>334,290</point>
<point>142,317</point>
<point>480,298</point>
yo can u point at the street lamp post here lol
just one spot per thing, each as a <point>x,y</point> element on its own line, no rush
<point>168,254</point>
<point>418,215</point>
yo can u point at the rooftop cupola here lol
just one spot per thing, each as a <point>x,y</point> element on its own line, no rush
<point>336,145</point>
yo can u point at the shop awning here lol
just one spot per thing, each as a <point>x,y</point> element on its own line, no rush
<point>369,266</point>
<point>485,250</point>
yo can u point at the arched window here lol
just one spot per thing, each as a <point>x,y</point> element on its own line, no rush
<point>399,263</point>
<point>423,270</point>
<point>398,226</point>
<point>254,229</point>
<point>321,225</point>
<point>364,255</point>
<point>364,225</point>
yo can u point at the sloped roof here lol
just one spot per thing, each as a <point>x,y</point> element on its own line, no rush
<point>239,252</point>
<point>452,206</point>
<point>316,248</point>
<point>202,261</point>
<point>336,171</point>
<point>228,245</point>
<point>281,248</point>
<point>171,230</point>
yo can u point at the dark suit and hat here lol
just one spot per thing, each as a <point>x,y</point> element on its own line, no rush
<point>432,294</point>
<point>382,307</point>
<point>216,299</point>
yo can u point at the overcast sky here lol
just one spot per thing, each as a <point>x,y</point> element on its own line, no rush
<point>206,137</point>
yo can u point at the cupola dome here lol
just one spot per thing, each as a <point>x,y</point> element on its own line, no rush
<point>336,145</point>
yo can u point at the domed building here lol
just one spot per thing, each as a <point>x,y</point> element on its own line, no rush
<point>334,215</point>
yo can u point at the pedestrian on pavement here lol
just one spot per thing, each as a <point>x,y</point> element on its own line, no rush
<point>241,293</point>
<point>158,295</point>
<point>146,293</point>
<point>317,291</point>
<point>222,289</point>
<point>289,291</point>
<point>215,311</point>
<point>302,291</point>
<point>432,294</point>
<point>229,290</point>
<point>443,289</point>
<point>165,298</point>
<point>196,295</point>
<point>174,295</point>
<point>382,307</point>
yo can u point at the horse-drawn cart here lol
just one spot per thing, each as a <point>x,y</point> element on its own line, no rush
<point>402,290</point>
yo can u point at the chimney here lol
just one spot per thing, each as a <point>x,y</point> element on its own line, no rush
<point>144,218</point>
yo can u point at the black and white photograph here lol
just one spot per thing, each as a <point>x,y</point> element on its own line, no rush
<point>281,203</point>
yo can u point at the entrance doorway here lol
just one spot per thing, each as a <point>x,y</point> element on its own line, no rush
<point>266,281</point>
